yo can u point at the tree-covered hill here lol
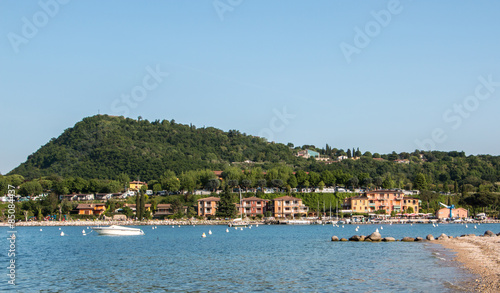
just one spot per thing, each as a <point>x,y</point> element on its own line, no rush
<point>105,146</point>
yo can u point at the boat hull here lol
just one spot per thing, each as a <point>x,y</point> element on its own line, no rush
<point>117,231</point>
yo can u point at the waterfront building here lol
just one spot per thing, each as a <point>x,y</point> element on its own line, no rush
<point>444,213</point>
<point>288,206</point>
<point>384,200</point>
<point>252,206</point>
<point>207,206</point>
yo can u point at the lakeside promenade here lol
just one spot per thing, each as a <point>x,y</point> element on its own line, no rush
<point>191,222</point>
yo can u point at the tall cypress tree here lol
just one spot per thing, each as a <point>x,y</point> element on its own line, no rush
<point>226,207</point>
<point>137,205</point>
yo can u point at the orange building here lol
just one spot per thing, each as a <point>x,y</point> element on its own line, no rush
<point>288,206</point>
<point>207,206</point>
<point>252,206</point>
<point>382,200</point>
<point>444,213</point>
<point>91,209</point>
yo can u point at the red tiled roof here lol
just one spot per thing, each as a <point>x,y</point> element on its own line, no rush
<point>287,198</point>
<point>254,198</point>
<point>209,199</point>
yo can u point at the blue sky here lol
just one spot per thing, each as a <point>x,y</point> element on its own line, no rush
<point>416,74</point>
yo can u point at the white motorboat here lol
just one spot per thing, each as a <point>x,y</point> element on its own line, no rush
<point>116,230</point>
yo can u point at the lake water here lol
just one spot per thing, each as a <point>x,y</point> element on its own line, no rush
<point>264,258</point>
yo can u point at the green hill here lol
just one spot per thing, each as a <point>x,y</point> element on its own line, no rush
<point>105,146</point>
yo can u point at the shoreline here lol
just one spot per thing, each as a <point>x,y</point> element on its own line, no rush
<point>195,222</point>
<point>480,256</point>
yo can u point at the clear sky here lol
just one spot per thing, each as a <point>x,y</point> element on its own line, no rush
<point>379,75</point>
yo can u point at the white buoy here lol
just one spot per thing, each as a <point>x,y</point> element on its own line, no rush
<point>203,235</point>
<point>227,230</point>
<point>59,228</point>
<point>41,230</point>
<point>172,226</point>
<point>342,226</point>
<point>475,227</point>
<point>83,231</point>
<point>209,232</point>
<point>179,226</point>
<point>466,226</point>
<point>87,228</point>
<point>257,225</point>
<point>62,233</point>
<point>250,227</point>
<point>381,228</point>
<point>235,228</point>
<point>152,228</point>
<point>356,229</point>
<point>479,224</point>
<point>241,228</point>
<point>376,231</point>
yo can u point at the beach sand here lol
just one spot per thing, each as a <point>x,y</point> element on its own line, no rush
<point>480,256</point>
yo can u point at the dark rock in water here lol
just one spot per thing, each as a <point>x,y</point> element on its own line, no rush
<point>489,233</point>
<point>419,239</point>
<point>375,236</point>
<point>389,239</point>
<point>498,234</point>
<point>443,237</point>
<point>408,239</point>
<point>355,238</point>
<point>430,237</point>
<point>343,239</point>
<point>335,238</point>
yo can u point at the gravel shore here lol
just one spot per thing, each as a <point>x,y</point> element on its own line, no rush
<point>480,255</point>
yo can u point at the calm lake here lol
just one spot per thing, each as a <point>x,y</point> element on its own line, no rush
<point>264,258</point>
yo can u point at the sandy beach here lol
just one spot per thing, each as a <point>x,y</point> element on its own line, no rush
<point>480,255</point>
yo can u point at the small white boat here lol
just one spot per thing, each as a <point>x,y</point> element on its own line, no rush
<point>117,230</point>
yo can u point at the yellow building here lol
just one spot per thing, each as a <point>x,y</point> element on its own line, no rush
<point>288,206</point>
<point>386,201</point>
<point>91,209</point>
<point>136,185</point>
<point>207,206</point>
<point>359,204</point>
